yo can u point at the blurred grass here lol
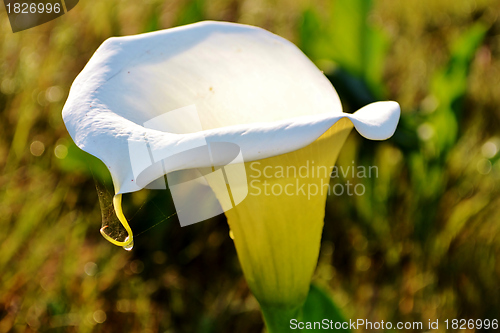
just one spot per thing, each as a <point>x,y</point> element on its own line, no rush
<point>421,244</point>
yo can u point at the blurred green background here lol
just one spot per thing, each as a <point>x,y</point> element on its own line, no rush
<point>422,243</point>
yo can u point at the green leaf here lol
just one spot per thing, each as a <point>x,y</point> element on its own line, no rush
<point>343,35</point>
<point>449,86</point>
<point>319,306</point>
<point>192,12</point>
<point>450,83</point>
<point>78,161</point>
<point>317,314</point>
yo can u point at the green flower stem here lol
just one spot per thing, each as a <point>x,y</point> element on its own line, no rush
<point>277,319</point>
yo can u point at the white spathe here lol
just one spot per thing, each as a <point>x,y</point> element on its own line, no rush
<point>246,86</point>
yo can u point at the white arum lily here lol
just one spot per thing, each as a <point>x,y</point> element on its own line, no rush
<point>239,85</point>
